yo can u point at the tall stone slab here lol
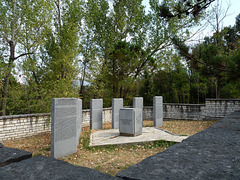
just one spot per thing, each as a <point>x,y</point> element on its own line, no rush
<point>117,104</point>
<point>130,122</point>
<point>96,109</point>
<point>65,126</point>
<point>158,111</point>
<point>138,103</point>
<point>79,117</point>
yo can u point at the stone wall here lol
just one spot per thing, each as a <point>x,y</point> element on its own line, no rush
<point>178,111</point>
<point>218,108</point>
<point>19,126</point>
<point>213,109</point>
<point>183,111</point>
<point>107,116</point>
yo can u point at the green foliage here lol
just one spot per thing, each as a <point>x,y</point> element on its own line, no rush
<point>23,25</point>
<point>122,66</point>
<point>146,90</point>
<point>114,50</point>
<point>181,8</point>
<point>216,59</point>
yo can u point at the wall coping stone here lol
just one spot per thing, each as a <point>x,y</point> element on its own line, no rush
<point>180,104</point>
<point>38,114</point>
<point>24,115</point>
<point>222,99</point>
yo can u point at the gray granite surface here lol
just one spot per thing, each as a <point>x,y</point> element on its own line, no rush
<point>11,155</point>
<point>211,154</point>
<point>49,168</point>
<point>65,126</point>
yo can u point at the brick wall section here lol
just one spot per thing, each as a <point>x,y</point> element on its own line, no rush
<point>19,126</point>
<point>183,111</point>
<point>178,111</point>
<point>218,108</point>
<point>107,116</point>
<point>212,110</point>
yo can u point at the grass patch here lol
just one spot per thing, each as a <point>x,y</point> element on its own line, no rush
<point>112,158</point>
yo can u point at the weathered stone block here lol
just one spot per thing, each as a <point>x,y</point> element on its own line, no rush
<point>11,155</point>
<point>45,168</point>
<point>96,113</point>
<point>117,104</point>
<point>130,122</point>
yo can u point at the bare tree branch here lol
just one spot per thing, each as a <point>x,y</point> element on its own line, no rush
<point>24,54</point>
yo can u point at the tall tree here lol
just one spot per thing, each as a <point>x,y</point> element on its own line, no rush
<point>127,21</point>
<point>122,67</point>
<point>62,48</point>
<point>22,24</point>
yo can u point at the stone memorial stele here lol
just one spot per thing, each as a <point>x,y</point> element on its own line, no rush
<point>96,108</point>
<point>138,103</point>
<point>130,122</point>
<point>158,111</point>
<point>65,126</point>
<point>117,104</point>
<point>79,116</point>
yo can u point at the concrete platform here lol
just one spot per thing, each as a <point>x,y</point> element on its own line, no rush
<point>112,137</point>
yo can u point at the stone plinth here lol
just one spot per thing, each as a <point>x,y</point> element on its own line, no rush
<point>130,122</point>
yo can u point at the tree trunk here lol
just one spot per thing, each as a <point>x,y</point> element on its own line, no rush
<point>218,89</point>
<point>6,80</point>
<point>83,79</point>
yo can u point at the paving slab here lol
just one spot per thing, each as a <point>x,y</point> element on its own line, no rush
<point>112,137</point>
